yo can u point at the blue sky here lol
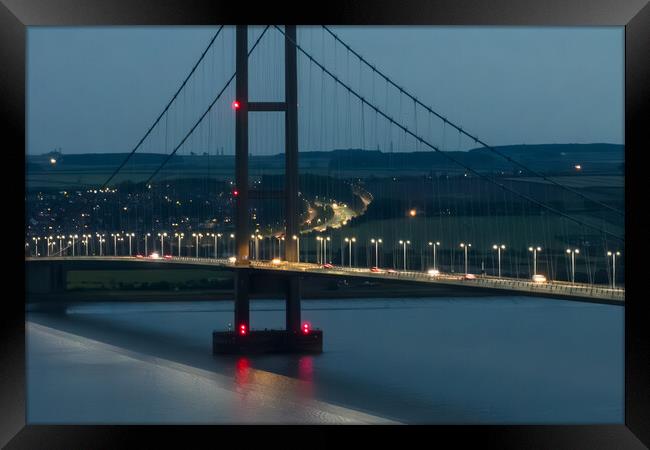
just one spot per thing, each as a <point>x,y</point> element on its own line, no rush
<point>97,89</point>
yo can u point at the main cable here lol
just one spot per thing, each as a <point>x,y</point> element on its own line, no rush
<point>189,75</point>
<point>232,77</point>
<point>445,154</point>
<point>474,138</point>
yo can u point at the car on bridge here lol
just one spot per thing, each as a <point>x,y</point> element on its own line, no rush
<point>469,276</point>
<point>539,278</point>
<point>375,269</point>
<point>391,271</point>
<point>327,266</point>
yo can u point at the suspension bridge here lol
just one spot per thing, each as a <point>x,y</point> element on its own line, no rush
<point>365,165</point>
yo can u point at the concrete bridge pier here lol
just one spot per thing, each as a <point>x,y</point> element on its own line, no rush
<point>242,300</point>
<point>293,304</point>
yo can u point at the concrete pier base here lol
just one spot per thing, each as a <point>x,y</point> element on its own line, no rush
<point>267,341</point>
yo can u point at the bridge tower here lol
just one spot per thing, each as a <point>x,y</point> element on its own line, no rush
<point>243,274</point>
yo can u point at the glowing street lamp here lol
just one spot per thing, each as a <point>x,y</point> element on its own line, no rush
<point>534,250</point>
<point>297,239</point>
<point>36,239</point>
<point>613,255</point>
<point>498,248</point>
<point>256,243</point>
<point>162,243</point>
<point>130,236</point>
<point>376,242</point>
<point>115,236</point>
<point>197,236</point>
<point>73,237</point>
<point>404,243</point>
<point>216,244</point>
<point>573,254</point>
<point>466,247</point>
<point>319,249</point>
<point>146,236</point>
<point>100,238</point>
<point>48,244</point>
<point>434,245</point>
<point>327,239</point>
<point>179,236</point>
<point>350,241</point>
<point>85,241</point>
<point>60,238</point>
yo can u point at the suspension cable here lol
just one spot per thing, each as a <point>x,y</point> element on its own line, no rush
<point>474,138</point>
<point>189,75</point>
<point>445,154</point>
<point>232,77</point>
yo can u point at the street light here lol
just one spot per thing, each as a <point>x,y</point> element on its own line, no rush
<point>36,239</point>
<point>613,255</point>
<point>534,250</point>
<point>404,243</point>
<point>197,236</point>
<point>162,243</point>
<point>434,245</point>
<point>350,241</point>
<point>61,238</point>
<point>179,236</point>
<point>256,238</point>
<point>280,239</point>
<point>73,237</point>
<point>48,244</point>
<point>216,244</point>
<point>115,236</point>
<point>146,236</point>
<point>130,236</point>
<point>297,239</point>
<point>101,240</point>
<point>327,239</point>
<point>573,254</point>
<point>86,236</point>
<point>466,247</point>
<point>319,249</point>
<point>498,248</point>
<point>376,242</point>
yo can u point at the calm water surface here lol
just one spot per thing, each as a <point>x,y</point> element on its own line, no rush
<point>440,360</point>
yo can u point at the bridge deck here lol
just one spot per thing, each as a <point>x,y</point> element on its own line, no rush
<point>554,288</point>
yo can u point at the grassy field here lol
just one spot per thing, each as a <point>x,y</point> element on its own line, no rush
<point>147,279</point>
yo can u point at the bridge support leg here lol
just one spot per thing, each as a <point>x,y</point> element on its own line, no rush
<point>242,303</point>
<point>293,304</point>
<point>291,146</point>
<point>57,278</point>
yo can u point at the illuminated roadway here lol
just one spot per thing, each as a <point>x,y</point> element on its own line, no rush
<point>555,288</point>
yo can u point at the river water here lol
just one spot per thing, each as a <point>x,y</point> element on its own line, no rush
<point>485,360</point>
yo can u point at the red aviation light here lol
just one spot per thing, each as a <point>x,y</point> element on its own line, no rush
<point>305,328</point>
<point>235,192</point>
<point>235,105</point>
<point>242,329</point>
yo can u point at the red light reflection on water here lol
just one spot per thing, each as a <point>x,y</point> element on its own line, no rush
<point>242,372</point>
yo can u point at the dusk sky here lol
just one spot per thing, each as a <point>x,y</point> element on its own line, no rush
<point>97,89</point>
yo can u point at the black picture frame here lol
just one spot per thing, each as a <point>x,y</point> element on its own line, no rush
<point>16,15</point>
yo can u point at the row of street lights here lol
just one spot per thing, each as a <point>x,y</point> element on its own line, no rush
<point>321,250</point>
<point>466,246</point>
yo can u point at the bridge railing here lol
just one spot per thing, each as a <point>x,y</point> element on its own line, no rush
<point>558,287</point>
